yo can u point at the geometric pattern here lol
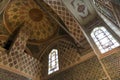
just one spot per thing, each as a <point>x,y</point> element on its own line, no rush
<point>27,11</point>
<point>6,75</point>
<point>88,70</point>
<point>70,22</point>
<point>21,62</point>
<point>112,65</point>
<point>67,55</point>
<point>17,59</point>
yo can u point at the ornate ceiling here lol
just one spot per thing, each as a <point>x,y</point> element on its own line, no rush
<point>41,26</point>
<point>72,25</point>
<point>72,18</point>
<point>82,10</point>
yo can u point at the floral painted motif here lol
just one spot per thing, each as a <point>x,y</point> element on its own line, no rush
<point>80,7</point>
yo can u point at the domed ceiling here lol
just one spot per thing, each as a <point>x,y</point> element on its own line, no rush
<point>66,16</point>
<point>41,26</point>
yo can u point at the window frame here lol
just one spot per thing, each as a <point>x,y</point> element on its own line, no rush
<point>53,62</point>
<point>106,36</point>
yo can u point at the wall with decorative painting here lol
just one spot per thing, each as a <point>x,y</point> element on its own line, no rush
<point>7,75</point>
<point>88,70</point>
<point>60,9</point>
<point>17,61</point>
<point>68,55</point>
<point>112,64</point>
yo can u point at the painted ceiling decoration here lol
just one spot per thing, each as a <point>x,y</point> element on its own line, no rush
<point>83,10</point>
<point>73,26</point>
<point>3,4</point>
<point>41,26</point>
<point>80,7</point>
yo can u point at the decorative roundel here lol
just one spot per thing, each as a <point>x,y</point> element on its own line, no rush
<point>18,11</point>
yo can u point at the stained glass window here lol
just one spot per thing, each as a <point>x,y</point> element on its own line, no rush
<point>53,61</point>
<point>103,39</point>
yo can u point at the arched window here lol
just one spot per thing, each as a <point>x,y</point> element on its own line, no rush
<point>103,39</point>
<point>53,61</point>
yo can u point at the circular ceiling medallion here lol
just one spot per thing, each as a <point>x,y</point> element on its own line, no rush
<point>36,14</point>
<point>27,11</point>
